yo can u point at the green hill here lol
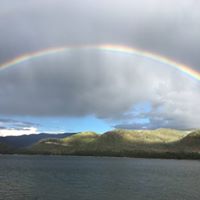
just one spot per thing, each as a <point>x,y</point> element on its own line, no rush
<point>69,145</point>
<point>190,143</point>
<point>192,139</point>
<point>166,143</point>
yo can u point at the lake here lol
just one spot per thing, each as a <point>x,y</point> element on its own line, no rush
<point>95,178</point>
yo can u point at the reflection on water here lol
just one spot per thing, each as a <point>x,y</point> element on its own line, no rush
<point>77,178</point>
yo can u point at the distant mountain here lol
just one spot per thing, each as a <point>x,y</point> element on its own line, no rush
<point>23,141</point>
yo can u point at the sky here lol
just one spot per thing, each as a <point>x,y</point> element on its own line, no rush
<point>91,89</point>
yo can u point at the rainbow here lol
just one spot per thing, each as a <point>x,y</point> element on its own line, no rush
<point>107,47</point>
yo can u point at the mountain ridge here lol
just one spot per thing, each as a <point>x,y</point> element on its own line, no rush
<point>159,143</point>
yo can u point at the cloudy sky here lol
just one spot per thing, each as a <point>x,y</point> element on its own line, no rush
<point>90,89</point>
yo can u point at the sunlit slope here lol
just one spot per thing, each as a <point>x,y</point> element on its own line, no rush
<point>116,143</point>
<point>69,145</point>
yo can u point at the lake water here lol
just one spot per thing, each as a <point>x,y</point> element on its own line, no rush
<point>95,178</point>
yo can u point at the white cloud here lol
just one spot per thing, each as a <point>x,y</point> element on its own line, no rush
<point>15,132</point>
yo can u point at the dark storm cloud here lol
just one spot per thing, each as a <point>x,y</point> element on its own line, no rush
<point>106,85</point>
<point>79,83</point>
<point>171,28</point>
<point>74,84</point>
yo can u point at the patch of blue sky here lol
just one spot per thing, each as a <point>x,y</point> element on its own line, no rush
<point>65,124</point>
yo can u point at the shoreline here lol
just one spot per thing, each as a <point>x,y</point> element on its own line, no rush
<point>172,157</point>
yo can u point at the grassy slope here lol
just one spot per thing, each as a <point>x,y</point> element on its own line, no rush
<point>157,143</point>
<point>190,143</point>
